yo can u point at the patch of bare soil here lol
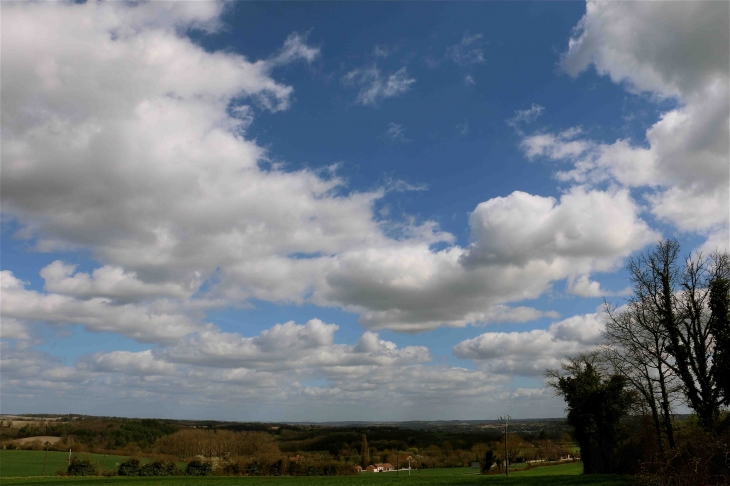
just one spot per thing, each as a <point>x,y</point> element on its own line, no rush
<point>42,438</point>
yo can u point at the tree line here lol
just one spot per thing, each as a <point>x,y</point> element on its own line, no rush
<point>217,443</point>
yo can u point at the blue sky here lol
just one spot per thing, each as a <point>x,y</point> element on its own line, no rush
<point>331,211</point>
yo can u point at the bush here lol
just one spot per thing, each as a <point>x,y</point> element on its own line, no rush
<point>254,469</point>
<point>276,466</point>
<point>324,468</point>
<point>129,468</point>
<point>262,466</point>
<point>488,462</point>
<point>160,468</point>
<point>81,467</point>
<point>701,458</point>
<point>197,468</point>
<point>232,470</point>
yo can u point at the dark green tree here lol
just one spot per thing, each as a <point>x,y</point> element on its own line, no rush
<point>720,324</point>
<point>488,462</point>
<point>365,452</point>
<point>595,405</point>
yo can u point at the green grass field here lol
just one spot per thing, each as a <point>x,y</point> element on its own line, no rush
<point>25,463</point>
<point>30,463</point>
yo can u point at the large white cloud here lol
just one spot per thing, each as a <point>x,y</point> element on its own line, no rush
<point>678,51</point>
<point>584,223</point>
<point>127,146</point>
<point>118,139</point>
<point>290,346</point>
<point>107,281</point>
<point>132,363</point>
<point>161,320</point>
<point>532,352</point>
<point>665,47</point>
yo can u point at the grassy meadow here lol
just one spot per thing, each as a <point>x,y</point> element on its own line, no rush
<point>30,463</point>
<point>16,464</point>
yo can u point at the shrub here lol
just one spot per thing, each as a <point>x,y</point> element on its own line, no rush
<point>232,470</point>
<point>81,467</point>
<point>488,462</point>
<point>277,468</point>
<point>197,468</point>
<point>254,469</point>
<point>160,468</point>
<point>325,468</point>
<point>129,468</point>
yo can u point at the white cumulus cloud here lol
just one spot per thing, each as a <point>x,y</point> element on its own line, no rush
<point>530,353</point>
<point>675,51</point>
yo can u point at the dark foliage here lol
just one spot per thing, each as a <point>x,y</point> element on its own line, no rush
<point>701,459</point>
<point>254,469</point>
<point>277,468</point>
<point>488,462</point>
<point>160,468</point>
<point>322,438</point>
<point>81,467</point>
<point>144,433</point>
<point>596,406</point>
<point>720,328</point>
<point>110,434</point>
<point>319,468</point>
<point>197,468</point>
<point>129,468</point>
<point>157,468</point>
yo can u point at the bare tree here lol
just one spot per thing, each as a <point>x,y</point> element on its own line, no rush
<point>674,299</point>
<point>636,348</point>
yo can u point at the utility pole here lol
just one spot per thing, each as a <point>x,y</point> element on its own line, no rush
<point>69,457</point>
<point>45,459</point>
<point>505,419</point>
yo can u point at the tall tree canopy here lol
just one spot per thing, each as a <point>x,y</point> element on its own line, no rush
<point>687,302</point>
<point>596,405</point>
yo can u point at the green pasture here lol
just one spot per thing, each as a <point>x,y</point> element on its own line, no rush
<point>572,468</point>
<point>24,463</point>
<point>30,463</point>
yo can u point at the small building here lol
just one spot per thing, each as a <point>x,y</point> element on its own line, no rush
<point>564,455</point>
<point>380,467</point>
<point>358,468</point>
